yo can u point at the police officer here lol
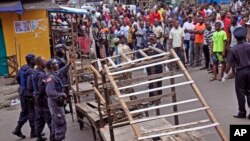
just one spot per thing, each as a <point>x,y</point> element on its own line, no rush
<point>56,99</point>
<point>42,110</point>
<point>239,56</point>
<point>26,98</point>
<point>62,61</point>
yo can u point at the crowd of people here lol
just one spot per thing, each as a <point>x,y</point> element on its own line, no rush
<point>203,35</point>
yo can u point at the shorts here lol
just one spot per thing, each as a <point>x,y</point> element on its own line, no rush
<point>217,57</point>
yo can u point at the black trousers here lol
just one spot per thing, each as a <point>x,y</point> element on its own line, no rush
<point>206,55</point>
<point>151,71</point>
<point>242,87</point>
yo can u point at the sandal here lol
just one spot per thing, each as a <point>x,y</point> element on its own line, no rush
<point>212,79</point>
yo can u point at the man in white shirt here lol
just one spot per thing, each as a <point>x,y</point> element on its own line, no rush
<point>125,29</point>
<point>176,37</point>
<point>158,31</point>
<point>188,26</point>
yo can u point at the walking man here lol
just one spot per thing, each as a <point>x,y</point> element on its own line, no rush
<point>26,98</point>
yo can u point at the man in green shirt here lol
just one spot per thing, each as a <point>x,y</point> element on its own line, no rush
<point>219,47</point>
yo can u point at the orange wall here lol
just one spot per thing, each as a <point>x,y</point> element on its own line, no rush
<point>36,41</point>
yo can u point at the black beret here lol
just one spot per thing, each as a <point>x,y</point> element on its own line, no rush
<point>30,57</point>
<point>240,32</point>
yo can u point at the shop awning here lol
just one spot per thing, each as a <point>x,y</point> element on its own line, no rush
<point>11,7</point>
<point>64,9</point>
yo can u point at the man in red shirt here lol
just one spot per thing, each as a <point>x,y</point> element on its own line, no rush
<point>227,23</point>
<point>85,42</point>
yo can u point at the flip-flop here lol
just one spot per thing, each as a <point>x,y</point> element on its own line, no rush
<point>213,79</point>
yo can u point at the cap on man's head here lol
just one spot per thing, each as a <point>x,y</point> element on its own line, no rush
<point>152,35</point>
<point>240,32</point>
<point>30,57</point>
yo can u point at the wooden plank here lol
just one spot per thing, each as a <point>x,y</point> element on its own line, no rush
<point>99,64</point>
<point>143,78</point>
<point>139,101</point>
<point>157,49</point>
<point>112,62</point>
<point>142,53</point>
<point>168,115</point>
<point>99,95</point>
<point>123,104</point>
<point>151,81</point>
<point>96,72</point>
<point>176,126</point>
<point>201,98</point>
<point>179,131</point>
<point>142,59</point>
<point>156,89</point>
<point>163,106</point>
<point>145,66</point>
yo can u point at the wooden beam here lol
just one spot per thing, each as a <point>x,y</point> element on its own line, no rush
<point>151,81</point>
<point>156,89</point>
<point>99,64</point>
<point>157,49</point>
<point>168,115</point>
<point>163,106</point>
<point>112,62</point>
<point>179,131</point>
<point>143,78</point>
<point>142,53</point>
<point>177,126</point>
<point>142,59</point>
<point>201,98</point>
<point>139,101</point>
<point>99,95</point>
<point>96,72</point>
<point>145,66</point>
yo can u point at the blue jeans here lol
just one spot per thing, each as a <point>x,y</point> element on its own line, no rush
<point>191,52</point>
<point>187,46</point>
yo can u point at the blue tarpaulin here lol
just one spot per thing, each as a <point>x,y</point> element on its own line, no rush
<point>11,7</point>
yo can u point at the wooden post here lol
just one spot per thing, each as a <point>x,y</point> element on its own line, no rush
<point>111,131</point>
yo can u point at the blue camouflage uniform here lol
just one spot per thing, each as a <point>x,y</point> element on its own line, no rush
<point>55,92</point>
<point>26,98</point>
<point>41,103</point>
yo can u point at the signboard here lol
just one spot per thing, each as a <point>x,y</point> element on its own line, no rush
<point>22,26</point>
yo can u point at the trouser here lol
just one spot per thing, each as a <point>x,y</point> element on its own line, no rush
<point>42,115</point>
<point>191,52</point>
<point>97,49</point>
<point>151,71</point>
<point>242,88</point>
<point>197,50</point>
<point>59,126</point>
<point>187,46</point>
<point>27,111</point>
<point>179,51</point>
<point>206,55</point>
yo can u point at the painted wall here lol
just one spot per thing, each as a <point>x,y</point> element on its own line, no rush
<point>36,41</point>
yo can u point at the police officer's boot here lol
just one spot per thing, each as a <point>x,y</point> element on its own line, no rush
<point>33,133</point>
<point>41,138</point>
<point>18,132</point>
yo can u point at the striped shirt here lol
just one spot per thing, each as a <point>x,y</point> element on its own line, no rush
<point>208,37</point>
